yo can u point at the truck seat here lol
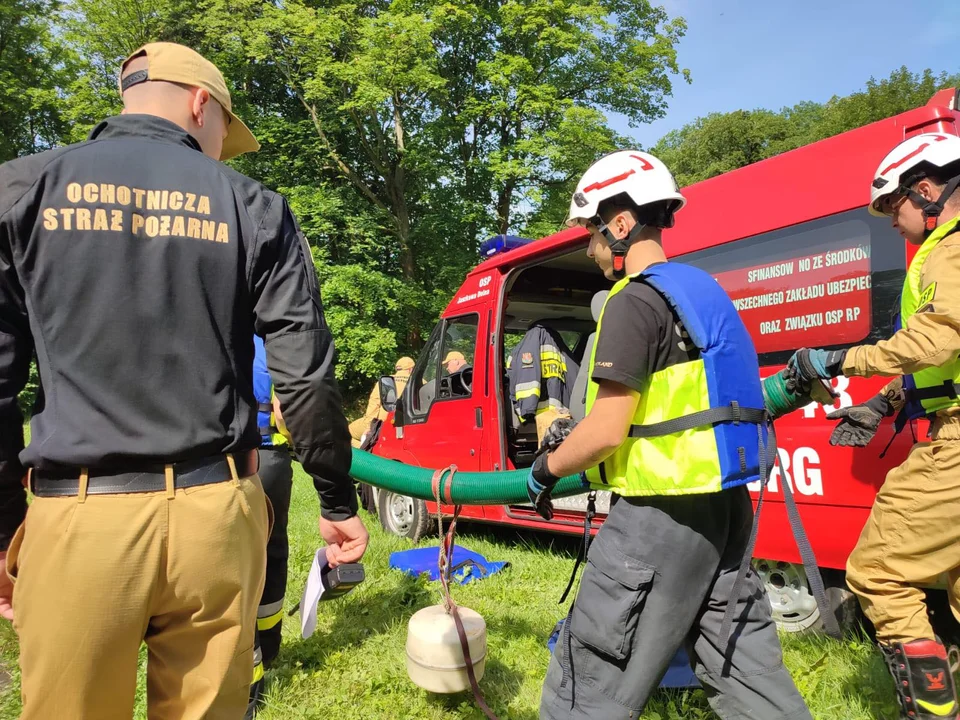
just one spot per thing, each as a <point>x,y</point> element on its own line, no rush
<point>578,394</point>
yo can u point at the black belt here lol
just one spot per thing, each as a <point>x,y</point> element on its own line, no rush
<point>152,478</point>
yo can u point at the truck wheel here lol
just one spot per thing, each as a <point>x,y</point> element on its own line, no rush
<point>793,605</point>
<point>403,516</point>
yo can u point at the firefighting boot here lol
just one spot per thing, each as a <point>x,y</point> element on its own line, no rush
<point>924,680</point>
<point>255,700</point>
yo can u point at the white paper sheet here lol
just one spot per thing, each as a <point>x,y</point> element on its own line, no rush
<point>312,592</point>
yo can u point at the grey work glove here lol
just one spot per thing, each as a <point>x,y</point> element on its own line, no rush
<point>556,434</point>
<point>810,365</point>
<point>540,482</point>
<point>859,423</point>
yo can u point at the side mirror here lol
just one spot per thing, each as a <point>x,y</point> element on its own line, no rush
<point>388,393</point>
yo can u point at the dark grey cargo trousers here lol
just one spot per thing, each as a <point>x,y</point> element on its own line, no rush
<point>659,575</point>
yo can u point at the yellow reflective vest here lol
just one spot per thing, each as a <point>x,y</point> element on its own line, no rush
<point>933,389</point>
<point>700,426</point>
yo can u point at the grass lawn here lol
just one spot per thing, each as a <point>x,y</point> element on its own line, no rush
<point>353,667</point>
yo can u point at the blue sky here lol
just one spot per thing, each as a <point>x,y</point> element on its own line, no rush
<point>746,54</point>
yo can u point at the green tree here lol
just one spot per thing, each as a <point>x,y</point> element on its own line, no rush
<point>880,99</point>
<point>721,142</point>
<point>403,131</point>
<point>447,121</point>
<point>528,91</point>
<point>416,102</point>
<point>34,66</point>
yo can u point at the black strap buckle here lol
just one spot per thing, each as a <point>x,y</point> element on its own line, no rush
<point>134,78</point>
<point>950,389</point>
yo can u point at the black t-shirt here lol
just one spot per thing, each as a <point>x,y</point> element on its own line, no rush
<point>640,335</point>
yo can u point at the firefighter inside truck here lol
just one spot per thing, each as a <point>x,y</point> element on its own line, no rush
<point>456,376</point>
<point>564,294</point>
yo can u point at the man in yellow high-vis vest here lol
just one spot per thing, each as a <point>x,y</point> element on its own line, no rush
<point>674,429</point>
<point>912,535</point>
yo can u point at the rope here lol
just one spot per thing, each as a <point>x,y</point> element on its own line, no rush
<point>565,632</point>
<point>446,563</point>
<point>445,560</point>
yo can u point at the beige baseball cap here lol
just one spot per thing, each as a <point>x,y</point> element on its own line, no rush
<point>404,365</point>
<point>177,63</point>
<point>454,355</point>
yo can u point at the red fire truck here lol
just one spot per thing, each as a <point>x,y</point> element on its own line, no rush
<point>792,243</point>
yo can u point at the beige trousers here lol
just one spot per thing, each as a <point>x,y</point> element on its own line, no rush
<point>911,537</point>
<point>96,577</point>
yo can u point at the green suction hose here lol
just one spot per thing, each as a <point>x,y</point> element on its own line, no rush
<point>506,487</point>
<point>777,399</point>
<point>781,395</point>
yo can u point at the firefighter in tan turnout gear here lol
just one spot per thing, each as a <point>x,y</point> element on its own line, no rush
<point>362,425</point>
<point>913,533</point>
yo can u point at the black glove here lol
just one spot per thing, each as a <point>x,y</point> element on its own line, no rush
<point>810,365</point>
<point>556,434</point>
<point>539,486</point>
<point>858,423</point>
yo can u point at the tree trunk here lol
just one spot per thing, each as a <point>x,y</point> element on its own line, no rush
<point>504,202</point>
<point>407,265</point>
<point>505,197</point>
<point>397,185</point>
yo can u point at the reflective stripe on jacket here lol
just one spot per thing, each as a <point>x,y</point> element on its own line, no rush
<point>541,372</point>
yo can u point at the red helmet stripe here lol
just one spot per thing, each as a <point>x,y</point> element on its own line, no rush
<point>901,161</point>
<point>644,163</point>
<point>609,181</point>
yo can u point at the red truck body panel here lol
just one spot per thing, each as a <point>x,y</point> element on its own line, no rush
<point>834,486</point>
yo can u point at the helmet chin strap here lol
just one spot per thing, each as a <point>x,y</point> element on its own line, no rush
<point>619,247</point>
<point>933,208</point>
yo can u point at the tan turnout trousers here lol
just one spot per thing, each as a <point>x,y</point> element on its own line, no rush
<point>96,576</point>
<point>911,537</point>
<point>913,533</point>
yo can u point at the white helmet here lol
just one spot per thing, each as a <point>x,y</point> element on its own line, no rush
<point>908,163</point>
<point>639,175</point>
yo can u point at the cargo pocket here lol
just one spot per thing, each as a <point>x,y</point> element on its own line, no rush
<point>13,553</point>
<point>612,594</point>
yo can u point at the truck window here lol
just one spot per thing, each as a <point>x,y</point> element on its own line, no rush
<point>447,371</point>
<point>511,338</point>
<point>832,282</point>
<point>571,339</point>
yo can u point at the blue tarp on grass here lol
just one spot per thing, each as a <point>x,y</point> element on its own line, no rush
<point>467,565</point>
